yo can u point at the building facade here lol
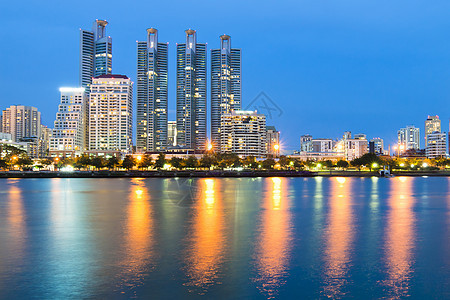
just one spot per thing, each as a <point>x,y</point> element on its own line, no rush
<point>243,133</point>
<point>226,84</point>
<point>436,145</point>
<point>432,124</point>
<point>70,127</point>
<point>152,94</point>
<point>21,122</point>
<point>191,93</point>
<point>95,53</point>
<point>111,114</point>
<point>172,134</point>
<point>378,145</point>
<point>408,138</point>
<point>273,141</point>
<point>306,143</point>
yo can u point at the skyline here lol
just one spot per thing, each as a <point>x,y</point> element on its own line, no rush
<point>331,59</point>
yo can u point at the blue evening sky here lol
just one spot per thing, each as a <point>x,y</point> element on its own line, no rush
<point>330,66</point>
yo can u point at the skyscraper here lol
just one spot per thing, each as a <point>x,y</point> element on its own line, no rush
<point>408,138</point>
<point>152,93</point>
<point>110,113</point>
<point>69,133</point>
<point>226,85</point>
<point>21,122</point>
<point>191,93</point>
<point>95,53</point>
<point>432,124</point>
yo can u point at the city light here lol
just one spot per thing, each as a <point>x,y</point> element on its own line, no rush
<point>374,165</point>
<point>276,147</point>
<point>209,147</point>
<point>139,158</point>
<point>424,165</point>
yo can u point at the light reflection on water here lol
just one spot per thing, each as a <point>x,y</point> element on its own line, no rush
<point>273,249</point>
<point>234,238</point>
<point>138,254</point>
<point>339,236</point>
<point>205,254</point>
<point>400,238</point>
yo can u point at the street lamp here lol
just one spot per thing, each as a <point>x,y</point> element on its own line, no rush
<point>276,147</point>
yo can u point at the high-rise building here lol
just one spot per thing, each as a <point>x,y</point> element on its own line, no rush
<point>306,143</point>
<point>172,134</point>
<point>432,124</point>
<point>191,93</point>
<point>378,144</point>
<point>95,53</point>
<point>273,140</point>
<point>111,113</point>
<point>21,122</point>
<point>69,132</point>
<point>244,133</point>
<point>152,93</point>
<point>408,138</point>
<point>226,84</point>
<point>436,145</point>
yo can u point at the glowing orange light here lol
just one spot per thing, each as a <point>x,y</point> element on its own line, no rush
<point>276,146</point>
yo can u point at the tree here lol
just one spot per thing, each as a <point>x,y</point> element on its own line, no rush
<point>343,164</point>
<point>3,164</point>
<point>298,164</point>
<point>176,162</point>
<point>250,162</point>
<point>284,161</point>
<point>98,162</point>
<point>145,162</point>
<point>129,162</point>
<point>370,159</point>
<point>25,162</point>
<point>161,161</point>
<point>112,163</point>
<point>327,163</point>
<point>207,161</point>
<point>357,162</point>
<point>83,161</point>
<point>268,163</point>
<point>191,162</point>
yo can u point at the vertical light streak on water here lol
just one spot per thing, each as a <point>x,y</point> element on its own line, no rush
<point>339,236</point>
<point>374,196</point>
<point>206,249</point>
<point>14,237</point>
<point>136,259</point>
<point>70,265</point>
<point>274,239</point>
<point>400,236</point>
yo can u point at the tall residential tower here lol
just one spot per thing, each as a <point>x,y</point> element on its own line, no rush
<point>95,53</point>
<point>191,93</point>
<point>152,93</point>
<point>226,85</point>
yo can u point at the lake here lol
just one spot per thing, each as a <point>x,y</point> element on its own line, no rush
<point>225,238</point>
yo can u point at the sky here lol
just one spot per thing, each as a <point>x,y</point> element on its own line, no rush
<point>323,66</point>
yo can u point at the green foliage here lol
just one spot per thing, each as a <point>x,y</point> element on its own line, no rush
<point>343,164</point>
<point>207,161</point>
<point>268,164</point>
<point>112,162</point>
<point>98,162</point>
<point>161,161</point>
<point>191,162</point>
<point>129,162</point>
<point>176,162</point>
<point>3,164</point>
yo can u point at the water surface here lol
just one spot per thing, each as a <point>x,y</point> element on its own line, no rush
<point>258,238</point>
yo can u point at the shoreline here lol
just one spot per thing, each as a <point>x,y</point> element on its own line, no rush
<point>209,174</point>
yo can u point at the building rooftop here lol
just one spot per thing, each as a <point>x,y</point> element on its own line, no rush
<point>112,76</point>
